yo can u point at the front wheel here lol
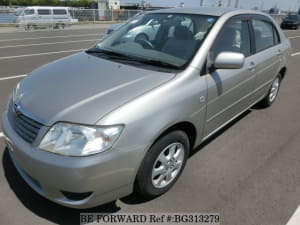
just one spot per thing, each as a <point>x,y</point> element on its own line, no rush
<point>163,164</point>
<point>272,93</point>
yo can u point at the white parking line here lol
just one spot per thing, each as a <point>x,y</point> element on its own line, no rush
<point>65,36</point>
<point>295,219</point>
<point>1,135</point>
<point>12,77</point>
<point>48,43</point>
<point>44,53</point>
<point>296,53</point>
<point>294,37</point>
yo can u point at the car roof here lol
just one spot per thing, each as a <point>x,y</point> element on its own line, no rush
<point>46,7</point>
<point>213,11</point>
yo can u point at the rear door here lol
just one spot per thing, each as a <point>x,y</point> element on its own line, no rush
<point>268,54</point>
<point>230,90</point>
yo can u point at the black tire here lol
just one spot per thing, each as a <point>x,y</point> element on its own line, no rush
<point>144,185</point>
<point>141,36</point>
<point>28,27</point>
<point>267,101</point>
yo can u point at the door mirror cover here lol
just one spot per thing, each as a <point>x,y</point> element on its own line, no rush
<point>229,60</point>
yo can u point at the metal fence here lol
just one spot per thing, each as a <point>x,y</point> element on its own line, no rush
<point>8,15</point>
<point>80,15</point>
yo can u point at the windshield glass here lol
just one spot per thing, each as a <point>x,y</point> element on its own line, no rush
<point>292,17</point>
<point>164,39</point>
<point>19,12</point>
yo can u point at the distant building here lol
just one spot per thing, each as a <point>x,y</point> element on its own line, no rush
<point>113,4</point>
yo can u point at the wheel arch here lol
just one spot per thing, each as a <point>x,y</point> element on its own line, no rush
<point>282,71</point>
<point>185,126</point>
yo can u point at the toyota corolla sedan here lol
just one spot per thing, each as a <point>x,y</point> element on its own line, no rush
<point>124,115</point>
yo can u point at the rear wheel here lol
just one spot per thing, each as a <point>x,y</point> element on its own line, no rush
<point>272,93</point>
<point>163,164</point>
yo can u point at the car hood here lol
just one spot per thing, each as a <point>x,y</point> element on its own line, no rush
<point>83,88</point>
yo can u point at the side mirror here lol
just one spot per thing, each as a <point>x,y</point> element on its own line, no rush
<point>229,60</point>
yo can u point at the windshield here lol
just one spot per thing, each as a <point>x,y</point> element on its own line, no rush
<point>163,39</point>
<point>19,12</point>
<point>292,17</point>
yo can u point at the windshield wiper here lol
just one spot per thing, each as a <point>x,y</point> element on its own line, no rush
<point>128,58</point>
<point>105,52</point>
<point>111,54</point>
<point>158,63</point>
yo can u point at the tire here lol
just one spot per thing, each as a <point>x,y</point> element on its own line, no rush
<point>147,183</point>
<point>28,27</point>
<point>272,93</point>
<point>141,37</point>
<point>61,26</point>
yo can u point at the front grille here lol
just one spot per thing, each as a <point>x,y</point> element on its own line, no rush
<point>24,126</point>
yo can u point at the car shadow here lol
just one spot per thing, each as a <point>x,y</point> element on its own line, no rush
<point>41,206</point>
<point>218,133</point>
<point>64,215</point>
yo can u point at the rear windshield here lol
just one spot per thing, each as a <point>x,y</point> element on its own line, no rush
<point>44,11</point>
<point>59,11</point>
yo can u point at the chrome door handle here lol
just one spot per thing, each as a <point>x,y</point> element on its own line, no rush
<point>252,66</point>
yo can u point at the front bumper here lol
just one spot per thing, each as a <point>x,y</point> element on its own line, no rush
<point>106,176</point>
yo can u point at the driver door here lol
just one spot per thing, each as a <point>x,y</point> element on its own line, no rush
<point>230,90</point>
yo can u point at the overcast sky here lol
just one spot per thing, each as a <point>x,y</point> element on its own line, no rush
<point>267,4</point>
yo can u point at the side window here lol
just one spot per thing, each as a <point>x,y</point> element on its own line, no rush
<point>59,12</point>
<point>234,37</point>
<point>29,11</point>
<point>44,12</point>
<point>184,22</point>
<point>264,34</point>
<point>187,22</point>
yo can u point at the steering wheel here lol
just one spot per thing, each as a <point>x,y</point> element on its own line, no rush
<point>145,43</point>
<point>143,40</point>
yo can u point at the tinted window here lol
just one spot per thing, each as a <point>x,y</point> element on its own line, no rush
<point>264,34</point>
<point>29,11</point>
<point>59,12</point>
<point>234,37</point>
<point>44,11</point>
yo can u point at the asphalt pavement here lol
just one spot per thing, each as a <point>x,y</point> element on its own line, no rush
<point>248,172</point>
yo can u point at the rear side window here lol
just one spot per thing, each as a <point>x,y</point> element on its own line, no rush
<point>59,12</point>
<point>44,12</point>
<point>265,34</point>
<point>29,11</point>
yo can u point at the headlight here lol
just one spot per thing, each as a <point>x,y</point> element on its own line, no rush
<point>79,140</point>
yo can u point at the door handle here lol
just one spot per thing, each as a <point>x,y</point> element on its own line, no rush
<point>279,53</point>
<point>252,66</point>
